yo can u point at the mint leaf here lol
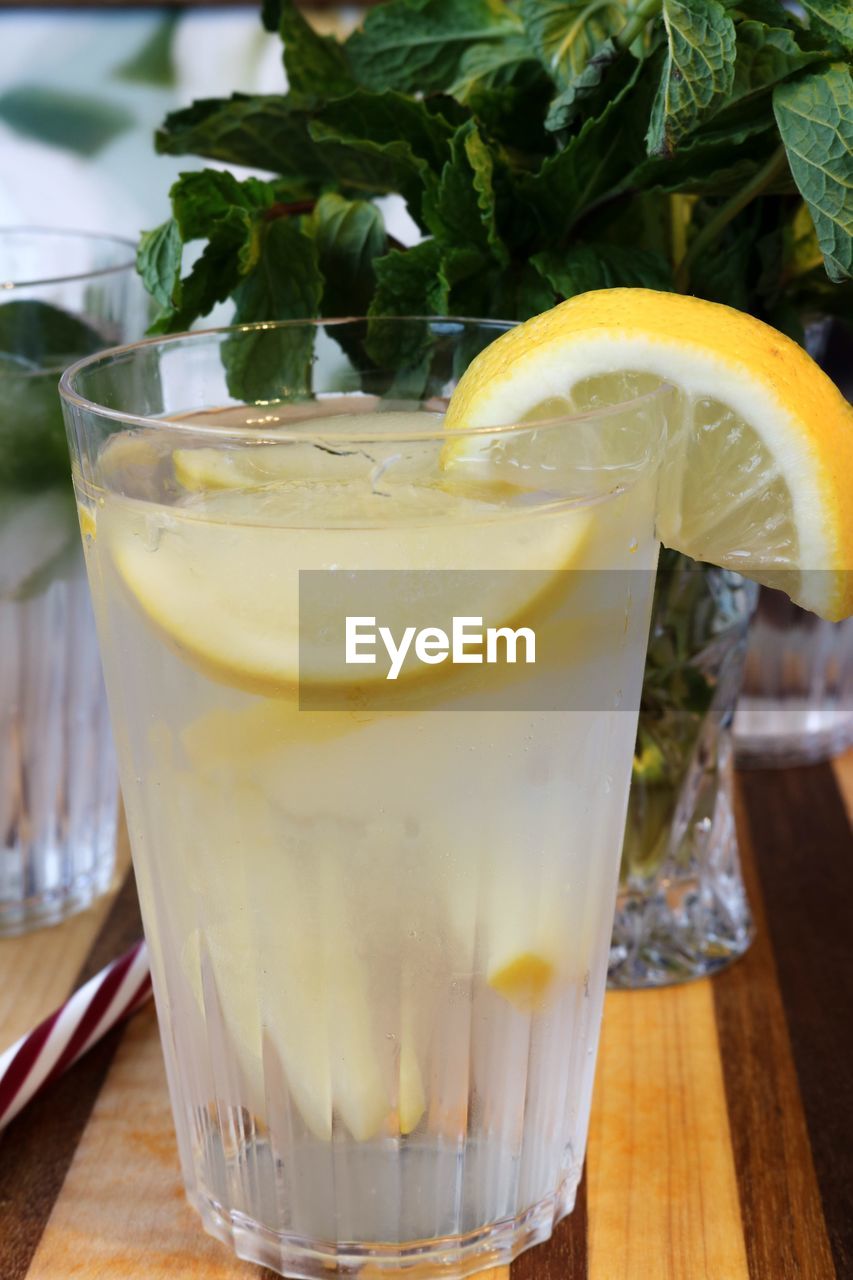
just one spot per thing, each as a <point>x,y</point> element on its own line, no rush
<point>285,284</point>
<point>592,164</point>
<point>724,272</point>
<point>514,115</point>
<point>349,235</point>
<point>203,198</point>
<point>382,142</point>
<point>833,18</point>
<point>37,341</point>
<point>33,451</point>
<point>418,45</point>
<point>158,261</point>
<point>45,336</point>
<point>387,118</point>
<point>73,121</point>
<point>569,103</point>
<point>566,34</point>
<point>582,267</point>
<point>261,132</point>
<point>815,119</point>
<point>770,12</point>
<point>460,208</point>
<point>231,251</point>
<point>154,63</point>
<point>765,56</point>
<point>495,64</point>
<point>521,292</point>
<point>410,283</point>
<point>211,205</point>
<point>316,65</point>
<point>698,71</point>
<point>708,167</point>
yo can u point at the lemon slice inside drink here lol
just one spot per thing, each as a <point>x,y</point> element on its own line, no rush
<point>219,570</point>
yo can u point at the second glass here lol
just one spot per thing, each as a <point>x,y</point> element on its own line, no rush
<point>63,294</point>
<point>378,908</point>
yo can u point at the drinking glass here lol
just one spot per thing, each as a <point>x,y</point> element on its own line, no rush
<point>378,906</point>
<point>797,700</point>
<point>63,294</point>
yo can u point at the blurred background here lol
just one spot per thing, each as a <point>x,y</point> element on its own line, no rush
<point>82,90</point>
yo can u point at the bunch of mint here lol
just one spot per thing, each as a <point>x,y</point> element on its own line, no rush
<point>543,147</point>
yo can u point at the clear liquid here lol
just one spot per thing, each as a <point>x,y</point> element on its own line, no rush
<point>379,935</point>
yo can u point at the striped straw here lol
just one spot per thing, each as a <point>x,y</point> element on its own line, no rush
<point>55,1044</point>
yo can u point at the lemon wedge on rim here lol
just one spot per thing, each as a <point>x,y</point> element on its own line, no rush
<point>756,472</point>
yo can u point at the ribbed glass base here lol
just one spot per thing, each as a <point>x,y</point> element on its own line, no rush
<point>450,1257</point>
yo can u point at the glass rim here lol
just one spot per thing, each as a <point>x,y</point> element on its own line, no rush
<point>68,233</point>
<point>278,435</point>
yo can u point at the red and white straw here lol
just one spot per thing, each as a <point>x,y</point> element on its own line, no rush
<point>55,1044</point>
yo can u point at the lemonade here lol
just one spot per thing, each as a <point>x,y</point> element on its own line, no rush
<point>378,922</point>
<point>378,896</point>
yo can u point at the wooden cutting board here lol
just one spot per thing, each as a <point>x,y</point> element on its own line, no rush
<point>721,1145</point>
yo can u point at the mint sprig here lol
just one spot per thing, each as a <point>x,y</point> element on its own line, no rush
<point>542,146</point>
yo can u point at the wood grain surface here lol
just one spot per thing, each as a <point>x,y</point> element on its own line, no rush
<point>721,1144</point>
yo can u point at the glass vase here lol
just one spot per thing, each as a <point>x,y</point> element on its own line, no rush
<point>682,910</point>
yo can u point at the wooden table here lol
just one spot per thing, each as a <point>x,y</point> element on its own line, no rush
<point>721,1145</point>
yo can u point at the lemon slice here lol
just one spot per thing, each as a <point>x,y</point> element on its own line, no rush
<point>524,980</point>
<point>220,574</point>
<point>757,467</point>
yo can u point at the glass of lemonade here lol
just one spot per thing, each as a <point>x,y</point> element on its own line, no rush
<point>377,881</point>
<point>63,294</point>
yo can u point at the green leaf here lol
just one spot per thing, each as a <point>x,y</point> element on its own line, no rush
<point>44,335</point>
<point>698,71</point>
<point>566,34</point>
<point>832,18</point>
<point>716,164</point>
<point>230,215</point>
<point>592,164</point>
<point>765,56</point>
<point>521,292</point>
<point>460,209</point>
<point>410,283</point>
<point>582,267</point>
<point>37,341</point>
<point>387,118</point>
<point>495,64</point>
<point>770,12</point>
<point>261,132</point>
<point>515,117</point>
<point>724,272</point>
<point>815,119</point>
<point>349,235</point>
<point>154,63</point>
<point>418,45</point>
<point>69,120</point>
<point>316,65</point>
<point>383,142</point>
<point>271,14</point>
<point>158,261</point>
<point>573,99</point>
<point>285,284</point>
<point>213,278</point>
<point>204,197</point>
